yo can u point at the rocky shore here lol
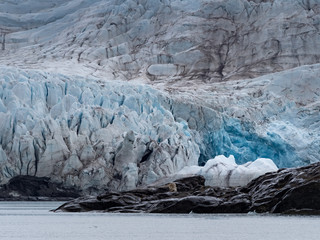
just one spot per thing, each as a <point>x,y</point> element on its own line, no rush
<point>287,191</point>
<point>30,188</point>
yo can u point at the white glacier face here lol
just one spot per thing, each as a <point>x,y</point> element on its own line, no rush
<point>274,116</point>
<point>66,121</point>
<point>88,134</point>
<point>96,134</point>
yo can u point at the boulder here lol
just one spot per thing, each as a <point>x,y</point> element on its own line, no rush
<point>24,188</point>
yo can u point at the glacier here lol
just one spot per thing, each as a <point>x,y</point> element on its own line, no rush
<point>206,40</point>
<point>88,134</point>
<point>119,94</point>
<point>274,116</point>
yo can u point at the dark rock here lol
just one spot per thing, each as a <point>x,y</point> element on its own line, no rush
<point>288,191</point>
<point>30,188</point>
<point>295,188</point>
<point>302,212</point>
<point>305,196</point>
<point>188,184</point>
<point>185,205</point>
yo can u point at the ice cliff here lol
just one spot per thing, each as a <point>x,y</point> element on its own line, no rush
<point>86,133</point>
<point>90,133</point>
<point>275,116</point>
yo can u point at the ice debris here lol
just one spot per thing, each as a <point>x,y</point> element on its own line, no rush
<point>224,172</point>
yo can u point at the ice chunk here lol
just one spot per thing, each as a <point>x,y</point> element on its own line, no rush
<point>224,172</point>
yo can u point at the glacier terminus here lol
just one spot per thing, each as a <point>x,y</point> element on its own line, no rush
<point>120,94</point>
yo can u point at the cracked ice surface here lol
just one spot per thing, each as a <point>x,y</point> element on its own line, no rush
<point>199,40</point>
<point>94,134</point>
<point>88,134</point>
<point>275,116</point>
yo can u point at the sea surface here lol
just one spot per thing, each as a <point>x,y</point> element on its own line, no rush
<point>33,220</point>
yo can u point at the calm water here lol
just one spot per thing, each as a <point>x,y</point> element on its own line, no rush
<point>32,220</point>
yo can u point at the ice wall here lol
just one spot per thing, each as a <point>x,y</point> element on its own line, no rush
<point>275,116</point>
<point>87,133</point>
<point>97,134</point>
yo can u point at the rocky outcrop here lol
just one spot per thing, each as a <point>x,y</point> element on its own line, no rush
<point>30,188</point>
<point>288,191</point>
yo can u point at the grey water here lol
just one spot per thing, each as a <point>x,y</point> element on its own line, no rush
<point>33,220</point>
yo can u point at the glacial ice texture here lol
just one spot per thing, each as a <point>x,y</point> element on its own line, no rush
<point>275,116</point>
<point>87,133</point>
<point>204,40</point>
<point>90,133</point>
<point>95,134</point>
